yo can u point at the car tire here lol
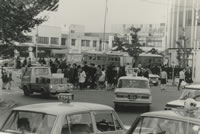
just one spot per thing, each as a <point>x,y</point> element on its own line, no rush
<point>44,94</point>
<point>116,107</point>
<point>156,84</point>
<point>26,91</point>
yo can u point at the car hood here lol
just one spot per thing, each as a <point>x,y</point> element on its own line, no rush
<point>5,133</point>
<point>179,103</point>
<point>133,90</point>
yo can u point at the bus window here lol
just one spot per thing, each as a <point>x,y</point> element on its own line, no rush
<point>94,57</point>
<point>90,57</point>
<point>98,58</point>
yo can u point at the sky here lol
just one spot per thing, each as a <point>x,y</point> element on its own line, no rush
<point>91,13</point>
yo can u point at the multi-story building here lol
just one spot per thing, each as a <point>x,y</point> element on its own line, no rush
<point>150,35</point>
<point>181,28</point>
<point>79,41</point>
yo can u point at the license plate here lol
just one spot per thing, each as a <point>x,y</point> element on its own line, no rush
<point>132,97</point>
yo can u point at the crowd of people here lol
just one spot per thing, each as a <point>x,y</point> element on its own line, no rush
<point>99,76</point>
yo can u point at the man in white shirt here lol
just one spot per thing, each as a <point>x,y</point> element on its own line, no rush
<point>181,77</point>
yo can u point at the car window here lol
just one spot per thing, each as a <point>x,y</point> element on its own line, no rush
<point>65,126</point>
<point>81,123</point>
<point>41,71</point>
<point>165,126</point>
<point>30,122</point>
<point>129,83</point>
<point>104,121</point>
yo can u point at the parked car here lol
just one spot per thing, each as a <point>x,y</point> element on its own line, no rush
<point>177,121</point>
<point>154,79</point>
<point>39,79</point>
<point>63,117</point>
<point>132,91</point>
<point>190,91</point>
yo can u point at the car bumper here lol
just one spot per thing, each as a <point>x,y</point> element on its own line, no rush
<point>132,103</point>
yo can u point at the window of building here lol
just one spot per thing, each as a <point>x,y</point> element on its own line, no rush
<point>63,41</point>
<point>87,43</point>
<point>82,43</point>
<point>73,43</point>
<point>43,40</point>
<point>54,40</point>
<point>94,43</point>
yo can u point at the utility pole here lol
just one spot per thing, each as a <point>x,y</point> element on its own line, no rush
<point>36,43</point>
<point>195,38</point>
<point>104,31</point>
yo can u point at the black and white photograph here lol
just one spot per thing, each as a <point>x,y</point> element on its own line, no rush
<point>99,67</point>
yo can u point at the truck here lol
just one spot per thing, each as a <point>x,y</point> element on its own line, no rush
<point>39,79</point>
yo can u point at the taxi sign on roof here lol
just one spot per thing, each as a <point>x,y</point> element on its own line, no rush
<point>65,97</point>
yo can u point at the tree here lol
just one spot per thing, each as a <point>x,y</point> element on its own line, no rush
<point>132,48</point>
<point>19,16</point>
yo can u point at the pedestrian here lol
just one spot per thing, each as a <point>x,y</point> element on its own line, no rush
<point>102,79</point>
<point>163,79</point>
<point>140,70</point>
<point>82,78</point>
<point>4,77</point>
<point>188,76</point>
<point>9,80</point>
<point>181,77</point>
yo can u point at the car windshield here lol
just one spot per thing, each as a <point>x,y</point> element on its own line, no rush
<point>195,94</point>
<point>149,125</point>
<point>129,83</point>
<point>29,123</point>
<point>41,71</point>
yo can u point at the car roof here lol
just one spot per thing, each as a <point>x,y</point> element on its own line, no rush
<point>133,78</point>
<point>193,86</point>
<point>177,114</point>
<point>58,108</point>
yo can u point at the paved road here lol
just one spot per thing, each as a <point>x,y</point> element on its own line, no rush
<point>127,115</point>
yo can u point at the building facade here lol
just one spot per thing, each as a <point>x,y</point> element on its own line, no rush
<point>181,30</point>
<point>150,35</point>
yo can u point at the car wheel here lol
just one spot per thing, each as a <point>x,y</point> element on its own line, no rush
<point>117,107</point>
<point>26,91</point>
<point>156,84</point>
<point>44,94</point>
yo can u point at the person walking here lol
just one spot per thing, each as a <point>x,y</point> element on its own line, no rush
<point>163,79</point>
<point>181,78</point>
<point>4,77</point>
<point>9,80</point>
<point>82,78</point>
<point>188,76</point>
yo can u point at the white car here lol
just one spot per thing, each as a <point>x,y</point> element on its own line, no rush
<point>63,118</point>
<point>176,121</point>
<point>132,91</point>
<point>190,91</point>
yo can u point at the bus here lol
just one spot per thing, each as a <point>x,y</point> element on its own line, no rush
<point>107,58</point>
<point>147,60</point>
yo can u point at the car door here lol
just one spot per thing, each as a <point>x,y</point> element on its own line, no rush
<point>106,122</point>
